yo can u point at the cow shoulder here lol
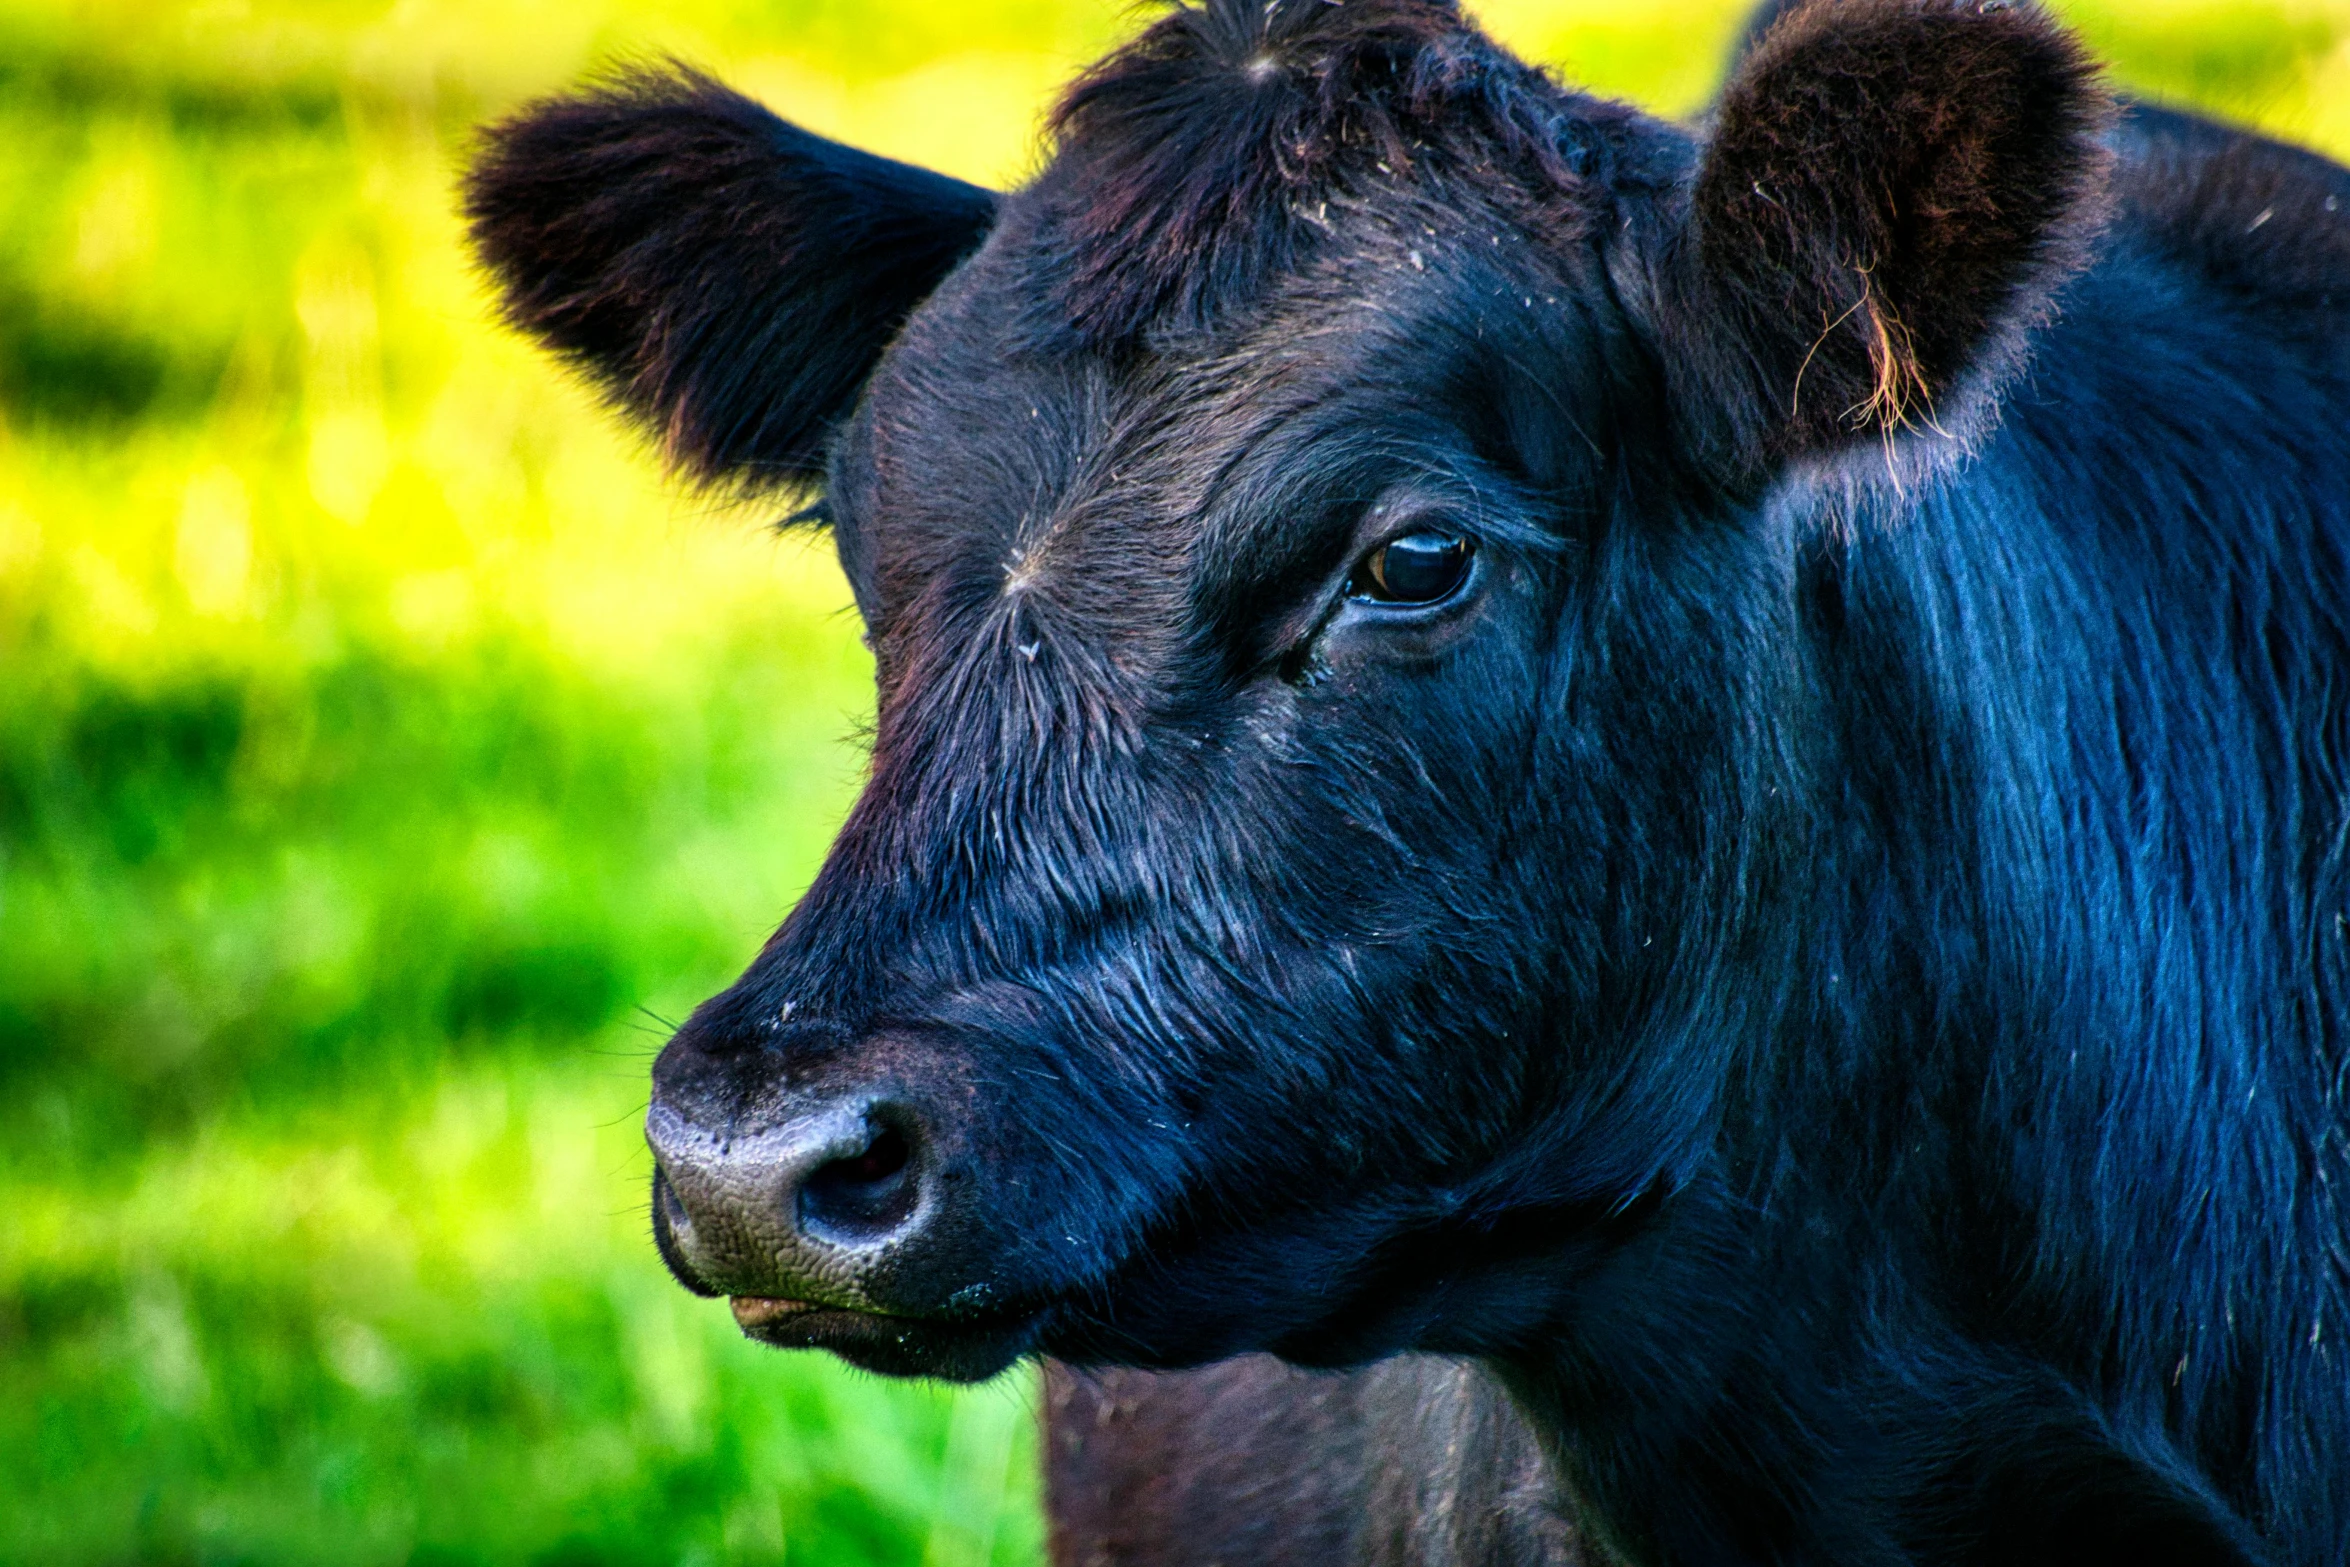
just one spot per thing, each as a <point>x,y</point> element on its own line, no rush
<point>1246,1461</point>
<point>1414,1462</point>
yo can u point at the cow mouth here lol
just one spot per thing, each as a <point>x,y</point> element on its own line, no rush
<point>963,1349</point>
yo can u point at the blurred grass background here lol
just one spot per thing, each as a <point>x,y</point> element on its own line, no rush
<point>385,752</point>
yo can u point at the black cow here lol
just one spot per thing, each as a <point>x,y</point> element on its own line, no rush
<point>1710,769</point>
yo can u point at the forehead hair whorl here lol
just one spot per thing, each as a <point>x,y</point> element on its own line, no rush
<point>1204,158</point>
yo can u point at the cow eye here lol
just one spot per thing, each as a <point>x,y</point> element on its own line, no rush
<point>1418,568</point>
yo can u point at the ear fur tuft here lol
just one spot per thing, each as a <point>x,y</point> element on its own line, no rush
<point>1892,191</point>
<point>726,278</point>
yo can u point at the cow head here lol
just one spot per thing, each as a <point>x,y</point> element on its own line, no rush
<point>1332,776</point>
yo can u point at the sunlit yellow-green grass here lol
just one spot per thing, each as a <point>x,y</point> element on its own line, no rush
<point>386,752</point>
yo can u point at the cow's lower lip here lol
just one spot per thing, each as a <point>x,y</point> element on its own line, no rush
<point>965,1350</point>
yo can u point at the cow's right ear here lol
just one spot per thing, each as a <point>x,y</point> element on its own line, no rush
<point>726,278</point>
<point>1891,190</point>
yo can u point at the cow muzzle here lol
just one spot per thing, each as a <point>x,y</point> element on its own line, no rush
<point>835,1221</point>
<point>809,1209</point>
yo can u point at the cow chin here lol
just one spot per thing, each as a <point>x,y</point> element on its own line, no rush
<point>947,1351</point>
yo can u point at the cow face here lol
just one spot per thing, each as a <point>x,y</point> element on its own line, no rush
<point>1334,653</point>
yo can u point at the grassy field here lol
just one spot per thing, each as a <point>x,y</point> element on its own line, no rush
<point>386,752</point>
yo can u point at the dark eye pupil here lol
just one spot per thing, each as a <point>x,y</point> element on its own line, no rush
<point>1418,568</point>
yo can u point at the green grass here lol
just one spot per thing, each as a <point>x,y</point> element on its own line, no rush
<point>385,752</point>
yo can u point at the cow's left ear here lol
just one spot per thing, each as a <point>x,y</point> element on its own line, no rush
<point>1891,191</point>
<point>726,278</point>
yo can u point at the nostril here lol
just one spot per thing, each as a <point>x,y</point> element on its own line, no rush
<point>863,1196</point>
<point>883,1159</point>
